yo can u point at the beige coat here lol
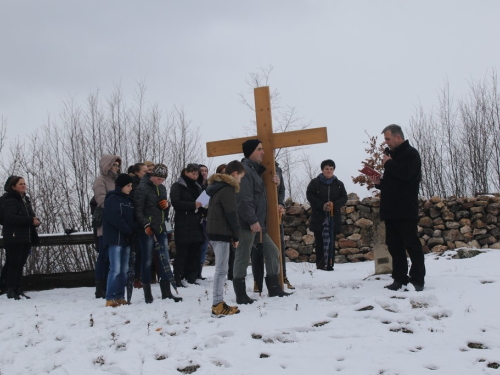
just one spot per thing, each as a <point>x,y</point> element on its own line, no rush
<point>105,181</point>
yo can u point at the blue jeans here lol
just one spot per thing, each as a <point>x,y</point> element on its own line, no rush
<point>118,268</point>
<point>203,252</point>
<point>102,263</point>
<point>147,247</point>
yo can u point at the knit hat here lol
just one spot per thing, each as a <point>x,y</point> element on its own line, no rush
<point>123,180</point>
<point>250,146</point>
<point>160,170</point>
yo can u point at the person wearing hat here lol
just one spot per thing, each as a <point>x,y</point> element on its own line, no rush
<point>151,211</point>
<point>188,231</point>
<point>118,226</point>
<point>252,216</point>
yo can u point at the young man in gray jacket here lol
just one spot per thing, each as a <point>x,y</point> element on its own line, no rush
<point>252,216</point>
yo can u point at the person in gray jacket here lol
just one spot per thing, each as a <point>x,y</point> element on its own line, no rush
<point>252,216</point>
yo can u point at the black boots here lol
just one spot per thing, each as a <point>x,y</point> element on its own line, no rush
<point>166,292</point>
<point>274,287</point>
<point>21,293</point>
<point>12,293</point>
<point>148,296</point>
<point>395,286</point>
<point>100,289</point>
<point>241,293</point>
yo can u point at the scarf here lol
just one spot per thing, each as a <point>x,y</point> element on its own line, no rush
<point>326,181</point>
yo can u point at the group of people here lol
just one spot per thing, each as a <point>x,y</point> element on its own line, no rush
<point>132,210</point>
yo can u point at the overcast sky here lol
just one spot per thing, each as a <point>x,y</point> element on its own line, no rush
<point>348,65</point>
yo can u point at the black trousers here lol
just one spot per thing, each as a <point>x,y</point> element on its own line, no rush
<point>187,261</point>
<point>16,259</point>
<point>401,235</point>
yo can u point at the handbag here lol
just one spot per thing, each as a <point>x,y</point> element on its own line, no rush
<point>97,217</point>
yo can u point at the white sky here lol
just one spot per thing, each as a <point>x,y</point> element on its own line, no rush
<point>405,333</point>
<point>351,66</point>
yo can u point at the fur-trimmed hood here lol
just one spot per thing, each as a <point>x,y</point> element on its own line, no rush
<point>218,181</point>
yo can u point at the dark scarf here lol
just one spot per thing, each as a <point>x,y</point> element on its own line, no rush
<point>326,181</point>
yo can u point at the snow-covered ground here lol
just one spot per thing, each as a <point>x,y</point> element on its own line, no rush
<point>342,321</point>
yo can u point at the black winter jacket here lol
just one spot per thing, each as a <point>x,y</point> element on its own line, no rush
<point>222,219</point>
<point>117,219</point>
<point>18,217</point>
<point>400,184</point>
<point>187,227</point>
<point>252,198</point>
<point>146,209</point>
<point>317,195</point>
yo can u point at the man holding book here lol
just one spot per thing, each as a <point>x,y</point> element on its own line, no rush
<point>399,187</point>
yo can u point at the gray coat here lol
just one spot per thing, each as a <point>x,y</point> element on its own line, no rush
<point>252,199</point>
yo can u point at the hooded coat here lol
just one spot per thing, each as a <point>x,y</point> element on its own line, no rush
<point>117,218</point>
<point>187,227</point>
<point>105,181</point>
<point>222,219</point>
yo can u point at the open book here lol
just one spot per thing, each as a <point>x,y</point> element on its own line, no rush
<point>370,171</point>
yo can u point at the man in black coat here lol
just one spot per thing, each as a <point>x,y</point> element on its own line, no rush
<point>399,189</point>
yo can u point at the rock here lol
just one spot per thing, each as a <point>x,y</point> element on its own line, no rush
<point>496,245</point>
<point>362,208</point>
<point>461,214</point>
<point>356,258</point>
<point>291,221</point>
<point>488,241</point>
<point>434,212</point>
<point>460,244</point>
<point>466,205</point>
<point>363,223</point>
<point>352,203</point>
<point>428,231</point>
<point>439,249</point>
<point>478,224</point>
<point>367,202</point>
<point>491,219</point>
<point>354,216</point>
<point>369,255</point>
<point>425,222</point>
<point>426,249</point>
<point>435,200</point>
<point>306,249</point>
<point>452,224</point>
<point>493,208</point>
<point>468,237</point>
<point>345,243</point>
<point>452,235</point>
<point>436,233</point>
<point>349,229</point>
<point>292,244</point>
<point>306,206</point>
<point>474,244</point>
<point>438,221</point>
<point>434,242</point>
<point>450,245</point>
<point>465,229</point>
<point>448,216</point>
<point>340,259</point>
<point>348,251</point>
<point>296,236</point>
<point>291,253</point>
<point>495,232</point>
<point>464,222</point>
<point>308,239</point>
<point>477,210</point>
<point>350,209</point>
<point>477,232</point>
<point>354,237</point>
<point>481,203</point>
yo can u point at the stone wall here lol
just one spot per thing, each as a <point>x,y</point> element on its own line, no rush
<point>444,224</point>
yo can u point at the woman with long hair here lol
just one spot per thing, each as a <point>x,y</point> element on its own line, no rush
<point>19,233</point>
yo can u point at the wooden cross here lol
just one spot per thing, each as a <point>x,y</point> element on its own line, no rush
<point>270,142</point>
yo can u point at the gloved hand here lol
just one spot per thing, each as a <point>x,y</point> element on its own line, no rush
<point>148,230</point>
<point>163,204</point>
